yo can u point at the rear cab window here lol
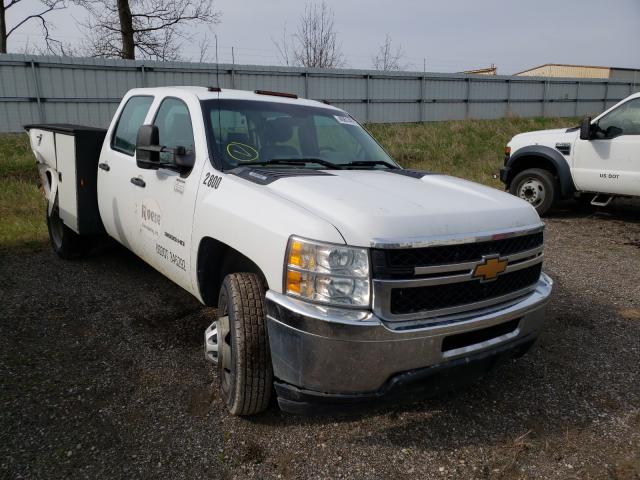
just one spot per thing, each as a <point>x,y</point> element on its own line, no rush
<point>130,120</point>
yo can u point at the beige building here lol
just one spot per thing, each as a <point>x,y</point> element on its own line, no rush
<point>582,71</point>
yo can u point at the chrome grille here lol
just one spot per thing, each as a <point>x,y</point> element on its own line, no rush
<point>401,263</point>
<point>417,299</point>
<point>436,281</point>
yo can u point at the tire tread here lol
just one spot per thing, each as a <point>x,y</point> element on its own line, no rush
<point>254,375</point>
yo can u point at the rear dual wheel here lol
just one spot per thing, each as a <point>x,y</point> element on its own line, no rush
<point>66,243</point>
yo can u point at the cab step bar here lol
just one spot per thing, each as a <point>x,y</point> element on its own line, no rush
<point>602,200</point>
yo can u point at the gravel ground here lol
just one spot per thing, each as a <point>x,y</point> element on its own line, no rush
<point>102,376</point>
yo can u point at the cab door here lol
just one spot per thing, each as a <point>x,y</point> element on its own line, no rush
<point>117,196</point>
<point>610,161</point>
<point>168,195</point>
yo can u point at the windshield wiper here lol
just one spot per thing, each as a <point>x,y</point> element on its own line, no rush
<point>365,163</point>
<point>294,161</point>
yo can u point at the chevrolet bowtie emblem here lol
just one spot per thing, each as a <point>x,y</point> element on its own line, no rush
<point>489,268</point>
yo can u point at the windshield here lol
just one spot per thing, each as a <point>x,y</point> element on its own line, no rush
<point>249,132</point>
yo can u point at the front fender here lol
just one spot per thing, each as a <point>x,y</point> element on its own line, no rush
<point>257,223</point>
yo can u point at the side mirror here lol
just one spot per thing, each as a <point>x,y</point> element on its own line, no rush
<point>613,132</point>
<point>585,129</point>
<point>147,148</point>
<point>183,159</point>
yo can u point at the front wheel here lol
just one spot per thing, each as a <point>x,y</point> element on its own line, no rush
<point>244,360</point>
<point>538,187</point>
<point>66,243</point>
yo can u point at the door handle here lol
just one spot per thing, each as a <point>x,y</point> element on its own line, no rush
<point>104,166</point>
<point>138,182</point>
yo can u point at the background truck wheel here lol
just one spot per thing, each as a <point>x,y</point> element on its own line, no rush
<point>65,242</point>
<point>244,361</point>
<point>536,186</point>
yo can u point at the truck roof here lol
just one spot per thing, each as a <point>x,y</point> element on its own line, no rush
<point>212,93</point>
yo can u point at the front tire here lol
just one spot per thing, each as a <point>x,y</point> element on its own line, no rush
<point>538,187</point>
<point>244,360</point>
<point>66,243</point>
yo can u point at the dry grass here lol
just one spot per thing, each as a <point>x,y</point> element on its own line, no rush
<point>22,206</point>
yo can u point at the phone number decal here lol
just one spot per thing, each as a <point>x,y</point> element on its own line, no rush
<point>171,257</point>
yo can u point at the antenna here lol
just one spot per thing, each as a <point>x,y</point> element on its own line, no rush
<point>217,64</point>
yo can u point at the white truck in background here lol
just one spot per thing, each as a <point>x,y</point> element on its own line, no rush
<point>338,277</point>
<point>596,162</point>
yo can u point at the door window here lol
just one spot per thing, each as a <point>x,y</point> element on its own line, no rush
<point>174,128</point>
<point>131,118</point>
<point>624,120</point>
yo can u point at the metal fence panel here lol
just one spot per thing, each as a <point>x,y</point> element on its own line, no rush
<point>87,91</point>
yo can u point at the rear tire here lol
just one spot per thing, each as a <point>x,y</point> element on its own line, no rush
<point>244,359</point>
<point>537,186</point>
<point>66,243</point>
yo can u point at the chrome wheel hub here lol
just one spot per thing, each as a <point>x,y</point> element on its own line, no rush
<point>211,343</point>
<point>532,190</point>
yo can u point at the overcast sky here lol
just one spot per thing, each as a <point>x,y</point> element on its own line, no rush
<point>453,35</point>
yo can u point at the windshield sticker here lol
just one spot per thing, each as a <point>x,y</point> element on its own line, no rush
<point>346,120</point>
<point>242,152</point>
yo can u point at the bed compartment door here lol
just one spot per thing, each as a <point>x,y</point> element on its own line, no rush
<point>67,182</point>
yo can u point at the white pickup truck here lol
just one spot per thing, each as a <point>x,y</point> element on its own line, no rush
<point>338,276</point>
<point>597,161</point>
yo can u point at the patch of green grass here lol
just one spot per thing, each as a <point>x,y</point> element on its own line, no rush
<point>16,159</point>
<point>471,149</point>
<point>22,205</point>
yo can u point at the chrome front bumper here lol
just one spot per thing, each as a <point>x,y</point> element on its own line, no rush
<point>340,351</point>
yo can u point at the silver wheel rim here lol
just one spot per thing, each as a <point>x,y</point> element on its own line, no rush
<point>224,353</point>
<point>532,190</point>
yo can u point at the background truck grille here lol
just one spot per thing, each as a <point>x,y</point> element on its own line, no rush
<point>417,299</point>
<point>400,263</point>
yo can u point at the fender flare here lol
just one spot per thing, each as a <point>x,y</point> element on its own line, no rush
<point>567,187</point>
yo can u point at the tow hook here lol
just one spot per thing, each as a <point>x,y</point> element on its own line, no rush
<point>211,343</point>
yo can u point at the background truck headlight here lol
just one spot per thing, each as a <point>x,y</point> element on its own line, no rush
<point>327,273</point>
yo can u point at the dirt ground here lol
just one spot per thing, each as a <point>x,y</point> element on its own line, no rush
<point>102,375</point>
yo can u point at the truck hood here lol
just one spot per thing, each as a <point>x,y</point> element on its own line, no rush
<point>548,138</point>
<point>537,133</point>
<point>370,206</point>
<point>545,136</point>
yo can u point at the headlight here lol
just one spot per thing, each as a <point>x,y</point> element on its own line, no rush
<point>326,273</point>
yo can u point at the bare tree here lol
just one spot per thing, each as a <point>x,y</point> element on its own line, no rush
<point>47,6</point>
<point>203,48</point>
<point>388,58</point>
<point>284,46</point>
<point>150,29</point>
<point>315,44</point>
